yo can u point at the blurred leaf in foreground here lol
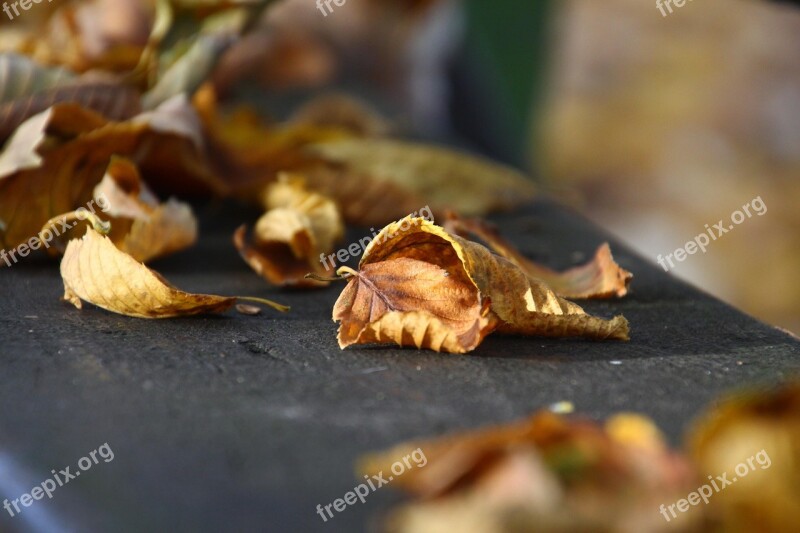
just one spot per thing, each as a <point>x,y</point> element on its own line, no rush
<point>548,473</point>
<point>760,428</point>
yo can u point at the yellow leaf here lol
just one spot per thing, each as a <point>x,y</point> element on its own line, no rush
<point>142,227</point>
<point>293,237</point>
<point>95,271</point>
<point>442,178</point>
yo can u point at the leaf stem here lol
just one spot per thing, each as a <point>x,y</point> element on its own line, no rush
<point>339,277</point>
<point>100,226</point>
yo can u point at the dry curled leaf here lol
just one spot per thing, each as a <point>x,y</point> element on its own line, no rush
<point>53,162</point>
<point>602,277</point>
<point>95,271</point>
<point>458,293</point>
<point>547,473</point>
<point>442,178</point>
<point>412,303</point>
<point>142,227</point>
<point>293,236</point>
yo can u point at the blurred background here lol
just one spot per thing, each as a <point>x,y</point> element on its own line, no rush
<point>651,123</point>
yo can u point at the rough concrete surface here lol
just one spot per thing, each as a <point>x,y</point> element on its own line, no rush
<point>243,423</point>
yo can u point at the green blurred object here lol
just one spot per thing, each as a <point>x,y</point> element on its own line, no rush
<point>509,40</point>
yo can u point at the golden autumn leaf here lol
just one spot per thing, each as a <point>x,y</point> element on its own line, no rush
<point>95,271</point>
<point>602,277</point>
<point>546,473</point>
<point>372,180</point>
<point>290,240</point>
<point>466,292</point>
<point>141,226</point>
<point>53,162</point>
<point>442,178</point>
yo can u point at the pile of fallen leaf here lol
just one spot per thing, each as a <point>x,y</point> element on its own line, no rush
<point>125,112</point>
<point>558,473</point>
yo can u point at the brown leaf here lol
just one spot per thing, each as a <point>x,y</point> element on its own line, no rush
<point>117,102</point>
<point>600,278</point>
<point>27,89</point>
<point>363,200</point>
<point>142,227</point>
<point>95,271</point>
<point>442,178</point>
<point>412,303</point>
<point>374,181</point>
<point>55,160</point>
<point>453,457</point>
<point>293,236</point>
<point>249,152</point>
<point>500,295</point>
<point>546,473</point>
